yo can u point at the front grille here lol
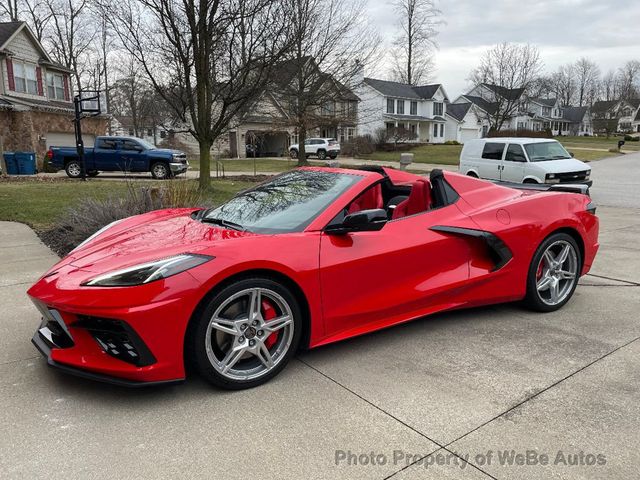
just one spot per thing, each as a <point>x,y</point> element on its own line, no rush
<point>572,176</point>
<point>117,339</point>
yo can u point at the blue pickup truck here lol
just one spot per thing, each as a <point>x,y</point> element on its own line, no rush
<point>119,154</point>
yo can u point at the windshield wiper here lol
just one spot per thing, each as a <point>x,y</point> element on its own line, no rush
<point>224,223</point>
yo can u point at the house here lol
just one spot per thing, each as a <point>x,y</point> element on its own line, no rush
<point>124,126</point>
<point>36,105</point>
<point>516,111</point>
<point>626,112</point>
<point>391,105</point>
<point>267,127</point>
<point>464,122</point>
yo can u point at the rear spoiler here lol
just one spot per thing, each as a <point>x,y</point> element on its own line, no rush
<point>582,188</point>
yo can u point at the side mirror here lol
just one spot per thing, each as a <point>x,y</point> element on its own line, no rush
<point>572,154</point>
<point>363,221</point>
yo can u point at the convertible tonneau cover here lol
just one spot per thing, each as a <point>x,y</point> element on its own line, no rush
<point>556,187</point>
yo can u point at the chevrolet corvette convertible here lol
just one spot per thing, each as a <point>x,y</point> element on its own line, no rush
<point>310,257</point>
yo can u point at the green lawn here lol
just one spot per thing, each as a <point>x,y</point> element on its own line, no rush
<point>603,143</point>
<point>261,165</point>
<point>441,154</point>
<point>38,202</point>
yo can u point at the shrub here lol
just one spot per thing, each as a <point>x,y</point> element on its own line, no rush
<point>361,145</point>
<point>520,133</point>
<point>629,138</point>
<point>452,142</point>
<point>90,214</point>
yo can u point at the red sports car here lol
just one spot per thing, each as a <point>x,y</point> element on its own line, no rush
<point>312,256</point>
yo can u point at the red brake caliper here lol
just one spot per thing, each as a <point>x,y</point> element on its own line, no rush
<point>540,270</point>
<point>269,313</point>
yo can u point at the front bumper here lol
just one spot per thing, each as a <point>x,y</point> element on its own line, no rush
<point>43,344</point>
<point>178,168</point>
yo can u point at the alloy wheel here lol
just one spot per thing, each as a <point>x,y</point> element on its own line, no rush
<point>74,169</point>
<point>249,334</point>
<point>557,272</point>
<point>160,171</point>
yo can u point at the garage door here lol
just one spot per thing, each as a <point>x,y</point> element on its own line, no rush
<point>469,134</point>
<point>67,140</point>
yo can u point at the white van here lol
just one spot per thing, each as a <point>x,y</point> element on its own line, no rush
<point>522,160</point>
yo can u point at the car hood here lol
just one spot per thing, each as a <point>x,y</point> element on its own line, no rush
<point>563,166</point>
<point>149,237</point>
<point>166,151</point>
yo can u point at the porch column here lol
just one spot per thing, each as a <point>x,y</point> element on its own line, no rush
<point>418,130</point>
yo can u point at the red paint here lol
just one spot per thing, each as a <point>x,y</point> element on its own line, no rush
<point>39,77</point>
<point>11,79</point>
<point>353,284</point>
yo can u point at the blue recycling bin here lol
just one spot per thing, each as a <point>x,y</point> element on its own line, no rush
<point>26,163</point>
<point>10,161</point>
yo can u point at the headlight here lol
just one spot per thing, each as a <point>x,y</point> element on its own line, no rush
<point>102,230</point>
<point>551,175</point>
<point>148,272</point>
<point>586,177</point>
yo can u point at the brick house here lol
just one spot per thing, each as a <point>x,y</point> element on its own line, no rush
<point>36,105</point>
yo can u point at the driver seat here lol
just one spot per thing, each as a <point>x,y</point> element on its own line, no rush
<point>419,200</point>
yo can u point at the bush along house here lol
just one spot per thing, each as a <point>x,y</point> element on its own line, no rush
<point>36,97</point>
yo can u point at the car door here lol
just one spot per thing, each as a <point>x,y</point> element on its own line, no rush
<point>375,279</point>
<point>309,146</point>
<point>490,165</point>
<point>105,154</point>
<point>132,158</point>
<point>514,163</point>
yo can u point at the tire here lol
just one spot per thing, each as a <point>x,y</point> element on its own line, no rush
<point>73,169</point>
<point>472,174</point>
<point>530,181</point>
<point>549,285</point>
<point>93,173</point>
<point>160,171</point>
<point>322,154</point>
<point>333,157</point>
<point>210,342</point>
<point>293,153</point>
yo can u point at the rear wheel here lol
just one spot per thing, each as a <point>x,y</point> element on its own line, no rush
<point>160,171</point>
<point>553,273</point>
<point>246,334</point>
<point>73,169</point>
<point>293,153</point>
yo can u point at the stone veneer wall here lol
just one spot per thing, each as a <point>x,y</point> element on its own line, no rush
<point>27,130</point>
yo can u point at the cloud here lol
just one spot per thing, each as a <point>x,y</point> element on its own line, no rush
<point>564,30</point>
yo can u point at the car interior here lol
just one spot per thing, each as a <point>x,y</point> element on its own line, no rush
<point>404,200</point>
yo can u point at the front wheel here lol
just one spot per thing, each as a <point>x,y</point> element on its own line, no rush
<point>73,169</point>
<point>553,273</point>
<point>160,171</point>
<point>246,333</point>
<point>322,154</point>
<point>471,173</point>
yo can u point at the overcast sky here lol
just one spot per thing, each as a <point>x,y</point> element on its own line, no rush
<point>607,31</point>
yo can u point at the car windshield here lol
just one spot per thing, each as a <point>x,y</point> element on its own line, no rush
<point>544,151</point>
<point>288,203</point>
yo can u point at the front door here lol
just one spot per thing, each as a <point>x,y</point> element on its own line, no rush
<point>375,279</point>
<point>513,165</point>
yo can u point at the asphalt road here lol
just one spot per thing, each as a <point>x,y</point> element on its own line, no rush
<point>616,181</point>
<point>441,397</point>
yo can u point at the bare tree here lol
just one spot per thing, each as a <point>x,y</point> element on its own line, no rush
<point>565,84</point>
<point>629,80</point>
<point>10,9</point>
<point>587,75</point>
<point>207,59</point>
<point>412,52</point>
<point>332,41</point>
<point>506,73</point>
<point>609,86</point>
<point>37,16</point>
<point>71,35</point>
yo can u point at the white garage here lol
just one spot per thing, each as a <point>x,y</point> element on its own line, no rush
<point>59,139</point>
<point>469,134</point>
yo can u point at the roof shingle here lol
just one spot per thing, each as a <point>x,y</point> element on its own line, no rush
<point>403,90</point>
<point>458,110</point>
<point>7,29</point>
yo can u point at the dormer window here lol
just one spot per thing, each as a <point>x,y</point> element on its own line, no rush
<point>55,86</point>
<point>25,79</point>
<point>438,108</point>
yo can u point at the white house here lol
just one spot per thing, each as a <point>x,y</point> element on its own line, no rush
<point>389,105</point>
<point>626,112</point>
<point>465,121</point>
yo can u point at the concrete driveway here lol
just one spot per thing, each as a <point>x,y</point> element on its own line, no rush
<point>441,397</point>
